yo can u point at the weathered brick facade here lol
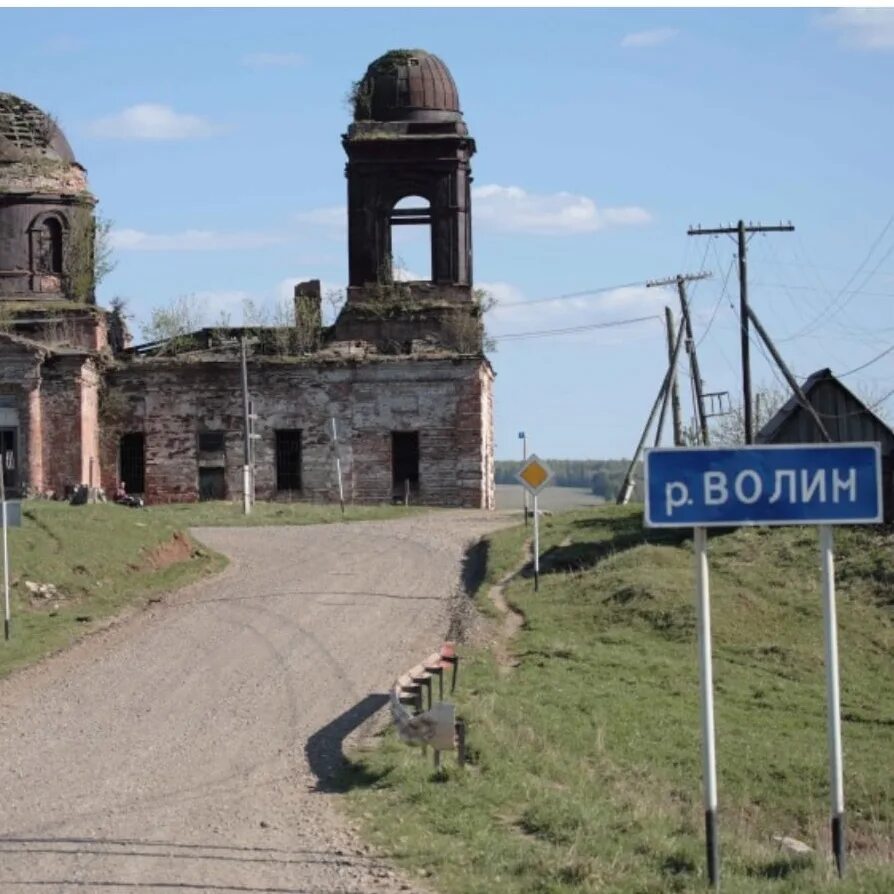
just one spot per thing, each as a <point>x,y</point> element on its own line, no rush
<point>171,401</point>
<point>402,371</point>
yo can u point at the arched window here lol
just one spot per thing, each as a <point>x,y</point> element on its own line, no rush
<point>48,250</point>
<point>47,234</point>
<point>411,245</point>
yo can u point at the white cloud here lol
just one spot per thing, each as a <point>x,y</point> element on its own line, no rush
<point>651,38</point>
<point>152,121</point>
<point>513,209</point>
<point>273,60</point>
<point>190,240</point>
<point>515,313</point>
<point>865,29</point>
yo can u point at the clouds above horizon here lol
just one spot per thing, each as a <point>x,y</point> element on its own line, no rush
<point>651,38</point>
<point>513,209</point>
<point>516,314</point>
<point>152,121</point>
<point>864,29</point>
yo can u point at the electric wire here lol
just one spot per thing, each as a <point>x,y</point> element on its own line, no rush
<point>571,330</point>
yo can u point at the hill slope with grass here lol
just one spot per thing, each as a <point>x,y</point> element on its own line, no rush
<point>587,773</point>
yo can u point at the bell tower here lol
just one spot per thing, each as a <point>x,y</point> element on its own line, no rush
<point>409,154</point>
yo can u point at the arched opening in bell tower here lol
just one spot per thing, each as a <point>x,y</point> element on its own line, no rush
<point>411,240</point>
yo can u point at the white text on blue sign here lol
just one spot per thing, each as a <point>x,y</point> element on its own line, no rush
<point>798,484</point>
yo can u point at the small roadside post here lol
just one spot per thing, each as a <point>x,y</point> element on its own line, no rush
<point>8,519</point>
<point>523,439</point>
<point>535,475</point>
<point>341,487</point>
<point>797,484</point>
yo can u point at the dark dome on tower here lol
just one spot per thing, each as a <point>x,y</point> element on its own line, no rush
<point>28,132</point>
<point>406,85</point>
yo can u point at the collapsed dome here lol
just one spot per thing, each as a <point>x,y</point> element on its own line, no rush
<point>28,132</point>
<point>406,85</point>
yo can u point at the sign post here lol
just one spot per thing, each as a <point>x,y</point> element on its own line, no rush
<point>798,484</point>
<point>341,486</point>
<point>523,439</point>
<point>833,697</point>
<point>535,475</point>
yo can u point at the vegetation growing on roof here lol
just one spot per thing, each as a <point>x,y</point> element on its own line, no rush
<point>360,95</point>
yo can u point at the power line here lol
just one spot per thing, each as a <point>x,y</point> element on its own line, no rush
<point>571,330</point>
<point>868,362</point>
<point>811,326</point>
<point>581,294</point>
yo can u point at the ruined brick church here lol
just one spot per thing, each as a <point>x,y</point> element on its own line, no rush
<point>401,372</point>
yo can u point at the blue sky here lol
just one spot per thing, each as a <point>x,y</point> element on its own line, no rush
<point>211,138</point>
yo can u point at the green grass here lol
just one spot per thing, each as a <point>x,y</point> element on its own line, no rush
<point>230,514</point>
<point>587,772</point>
<point>99,559</point>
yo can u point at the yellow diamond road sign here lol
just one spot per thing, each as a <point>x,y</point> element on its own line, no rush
<point>534,475</point>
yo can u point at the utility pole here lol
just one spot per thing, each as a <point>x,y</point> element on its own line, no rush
<point>792,381</point>
<point>680,281</point>
<point>246,414</point>
<point>741,231</point>
<point>673,393</point>
<point>629,479</point>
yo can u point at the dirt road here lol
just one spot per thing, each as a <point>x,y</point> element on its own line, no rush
<point>188,749</point>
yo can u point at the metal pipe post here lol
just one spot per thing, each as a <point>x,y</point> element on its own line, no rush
<point>246,413</point>
<point>706,684</point>
<point>6,615</point>
<point>341,487</point>
<point>833,697</point>
<point>745,339</point>
<point>536,546</point>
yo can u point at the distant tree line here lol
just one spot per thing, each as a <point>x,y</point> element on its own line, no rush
<point>603,476</point>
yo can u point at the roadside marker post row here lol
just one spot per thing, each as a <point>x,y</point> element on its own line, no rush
<point>802,484</point>
<point>437,726</point>
<point>533,476</point>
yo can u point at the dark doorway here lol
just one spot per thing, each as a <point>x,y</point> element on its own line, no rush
<point>404,461</point>
<point>9,457</point>
<point>288,459</point>
<point>132,462</point>
<point>212,483</point>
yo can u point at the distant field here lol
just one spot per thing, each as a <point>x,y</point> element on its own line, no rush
<point>553,499</point>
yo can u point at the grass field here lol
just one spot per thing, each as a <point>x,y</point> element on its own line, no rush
<point>102,558</point>
<point>587,772</point>
<point>551,499</point>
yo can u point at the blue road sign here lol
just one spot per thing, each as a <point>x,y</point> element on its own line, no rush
<point>797,484</point>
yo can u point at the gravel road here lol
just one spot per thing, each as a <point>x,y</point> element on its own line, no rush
<point>188,748</point>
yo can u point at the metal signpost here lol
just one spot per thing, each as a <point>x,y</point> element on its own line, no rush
<point>523,439</point>
<point>10,515</point>
<point>799,484</point>
<point>535,475</point>
<point>341,486</point>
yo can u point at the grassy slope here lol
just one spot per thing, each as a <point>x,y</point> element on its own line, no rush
<point>98,558</point>
<point>589,769</point>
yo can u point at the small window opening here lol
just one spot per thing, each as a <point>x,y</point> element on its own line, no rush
<point>288,459</point>
<point>411,240</point>
<point>49,247</point>
<point>211,441</point>
<point>212,483</point>
<point>404,462</point>
<point>132,462</point>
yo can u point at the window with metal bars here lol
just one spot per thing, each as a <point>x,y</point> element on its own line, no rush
<point>288,459</point>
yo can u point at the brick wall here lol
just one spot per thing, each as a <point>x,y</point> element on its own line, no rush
<point>447,400</point>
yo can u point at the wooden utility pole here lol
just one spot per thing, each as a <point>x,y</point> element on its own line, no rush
<point>629,479</point>
<point>674,386</point>
<point>741,231</point>
<point>792,381</point>
<point>680,281</point>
